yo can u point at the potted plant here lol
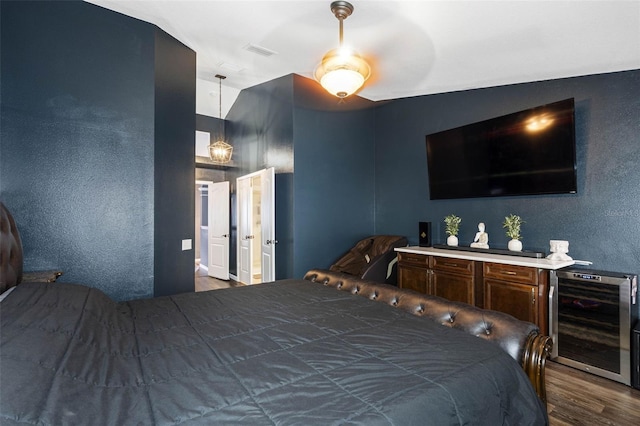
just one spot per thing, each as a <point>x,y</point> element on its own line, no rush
<point>513,223</point>
<point>452,225</point>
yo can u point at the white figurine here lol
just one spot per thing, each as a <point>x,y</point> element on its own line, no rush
<point>482,238</point>
<point>559,250</point>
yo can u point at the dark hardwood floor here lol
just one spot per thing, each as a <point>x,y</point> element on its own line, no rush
<point>205,283</point>
<point>578,398</point>
<point>574,397</point>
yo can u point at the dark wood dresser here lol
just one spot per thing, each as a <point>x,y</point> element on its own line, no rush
<point>516,285</point>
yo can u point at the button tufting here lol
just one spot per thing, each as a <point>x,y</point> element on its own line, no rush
<point>326,281</point>
<point>488,331</point>
<point>374,296</point>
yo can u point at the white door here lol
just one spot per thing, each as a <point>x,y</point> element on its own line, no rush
<point>256,193</point>
<point>219,230</point>
<point>245,253</point>
<point>268,222</point>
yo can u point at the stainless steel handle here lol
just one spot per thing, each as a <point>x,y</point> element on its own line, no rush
<point>553,313</point>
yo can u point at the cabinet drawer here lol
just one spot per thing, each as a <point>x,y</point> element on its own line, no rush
<point>513,273</point>
<point>413,259</point>
<point>458,266</point>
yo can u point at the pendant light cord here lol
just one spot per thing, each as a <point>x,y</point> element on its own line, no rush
<point>220,78</point>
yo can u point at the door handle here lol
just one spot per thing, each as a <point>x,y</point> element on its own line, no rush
<point>272,242</point>
<point>225,235</point>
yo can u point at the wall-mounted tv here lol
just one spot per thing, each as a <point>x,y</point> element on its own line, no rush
<point>529,152</point>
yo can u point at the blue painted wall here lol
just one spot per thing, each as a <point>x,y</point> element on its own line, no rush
<point>78,160</point>
<point>174,154</point>
<point>260,128</point>
<point>334,183</point>
<point>326,203</point>
<point>601,222</point>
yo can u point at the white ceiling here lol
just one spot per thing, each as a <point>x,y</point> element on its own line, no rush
<point>414,47</point>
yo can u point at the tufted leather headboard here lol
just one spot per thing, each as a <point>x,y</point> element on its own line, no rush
<point>520,339</point>
<point>10,251</point>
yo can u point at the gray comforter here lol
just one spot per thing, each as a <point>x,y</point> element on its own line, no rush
<point>289,352</point>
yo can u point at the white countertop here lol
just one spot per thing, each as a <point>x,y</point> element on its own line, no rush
<point>489,257</point>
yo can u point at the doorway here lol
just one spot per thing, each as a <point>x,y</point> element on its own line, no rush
<point>212,228</point>
<point>256,227</point>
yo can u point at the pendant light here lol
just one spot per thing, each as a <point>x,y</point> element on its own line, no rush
<point>342,71</point>
<point>220,151</point>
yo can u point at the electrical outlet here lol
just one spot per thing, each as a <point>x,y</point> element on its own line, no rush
<point>186,244</point>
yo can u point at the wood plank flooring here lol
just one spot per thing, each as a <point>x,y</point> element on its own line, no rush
<point>578,398</point>
<point>205,283</point>
<point>575,398</point>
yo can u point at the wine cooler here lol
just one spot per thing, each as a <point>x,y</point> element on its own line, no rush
<point>591,314</point>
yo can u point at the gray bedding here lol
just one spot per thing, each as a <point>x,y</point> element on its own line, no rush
<point>289,352</point>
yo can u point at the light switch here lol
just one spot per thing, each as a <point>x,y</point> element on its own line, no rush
<point>186,244</point>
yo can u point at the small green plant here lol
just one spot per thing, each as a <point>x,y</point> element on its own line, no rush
<point>453,224</point>
<point>512,223</point>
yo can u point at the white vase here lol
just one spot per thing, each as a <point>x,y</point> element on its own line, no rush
<point>515,245</point>
<point>452,240</point>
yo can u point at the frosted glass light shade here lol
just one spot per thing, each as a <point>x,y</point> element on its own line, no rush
<point>342,72</point>
<point>220,152</point>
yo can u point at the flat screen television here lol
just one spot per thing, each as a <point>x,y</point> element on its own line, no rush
<point>530,152</point>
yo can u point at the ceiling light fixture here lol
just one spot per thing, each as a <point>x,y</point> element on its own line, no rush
<point>220,151</point>
<point>342,71</point>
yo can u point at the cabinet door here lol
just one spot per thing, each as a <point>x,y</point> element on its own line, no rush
<point>413,278</point>
<point>518,300</point>
<point>454,287</point>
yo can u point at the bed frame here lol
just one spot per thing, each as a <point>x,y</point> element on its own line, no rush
<point>522,340</point>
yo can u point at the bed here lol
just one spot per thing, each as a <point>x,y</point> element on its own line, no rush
<point>327,349</point>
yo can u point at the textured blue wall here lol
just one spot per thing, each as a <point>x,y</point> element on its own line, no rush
<point>77,142</point>
<point>77,154</point>
<point>260,128</point>
<point>326,203</point>
<point>333,184</point>
<point>174,177</point>
<point>601,222</point>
